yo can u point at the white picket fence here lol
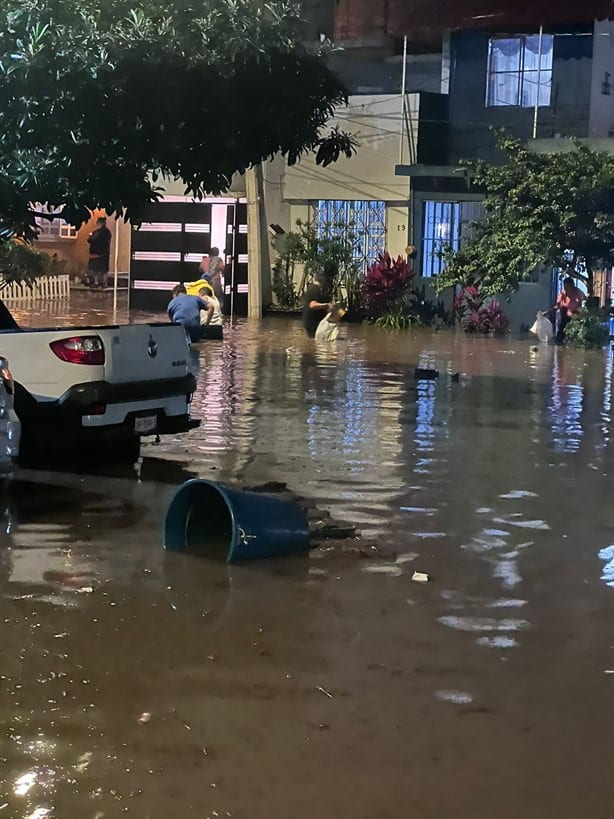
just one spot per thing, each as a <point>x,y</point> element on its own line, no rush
<point>47,288</point>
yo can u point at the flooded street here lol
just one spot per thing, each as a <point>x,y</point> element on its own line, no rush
<point>136,682</point>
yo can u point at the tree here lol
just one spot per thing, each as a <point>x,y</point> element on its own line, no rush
<point>553,209</point>
<point>99,101</point>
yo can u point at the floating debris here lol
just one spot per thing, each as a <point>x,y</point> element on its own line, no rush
<point>425,374</point>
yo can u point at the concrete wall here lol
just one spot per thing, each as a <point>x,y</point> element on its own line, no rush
<point>471,120</point>
<point>601,122</point>
<point>365,74</point>
<point>521,307</point>
<point>290,191</point>
<point>377,123</point>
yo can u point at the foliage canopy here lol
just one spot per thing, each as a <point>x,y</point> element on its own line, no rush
<point>100,100</point>
<point>554,209</point>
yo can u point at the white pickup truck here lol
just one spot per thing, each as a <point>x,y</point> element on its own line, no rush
<point>98,389</point>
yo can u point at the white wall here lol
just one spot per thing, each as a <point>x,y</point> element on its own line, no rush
<point>521,308</point>
<point>523,305</point>
<point>376,121</point>
<point>397,229</point>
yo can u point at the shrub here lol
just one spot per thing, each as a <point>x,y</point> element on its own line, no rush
<point>479,314</point>
<point>386,284</point>
<point>282,284</point>
<point>20,262</point>
<point>588,329</point>
<point>400,316</point>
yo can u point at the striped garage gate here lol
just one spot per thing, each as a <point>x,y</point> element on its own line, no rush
<point>168,247</point>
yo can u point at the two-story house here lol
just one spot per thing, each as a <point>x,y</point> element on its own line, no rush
<point>539,83</point>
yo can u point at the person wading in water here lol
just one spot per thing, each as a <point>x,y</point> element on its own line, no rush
<point>569,302</point>
<point>316,304</point>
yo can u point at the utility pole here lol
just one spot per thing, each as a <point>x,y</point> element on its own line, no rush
<point>539,79</point>
<point>258,267</point>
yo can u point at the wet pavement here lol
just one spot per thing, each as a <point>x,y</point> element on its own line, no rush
<point>140,683</point>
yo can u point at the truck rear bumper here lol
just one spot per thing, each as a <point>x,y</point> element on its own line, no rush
<point>93,393</point>
<point>97,410</point>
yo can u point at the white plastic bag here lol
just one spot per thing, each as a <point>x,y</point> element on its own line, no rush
<point>542,328</point>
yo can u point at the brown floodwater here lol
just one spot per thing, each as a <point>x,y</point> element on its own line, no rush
<point>136,682</point>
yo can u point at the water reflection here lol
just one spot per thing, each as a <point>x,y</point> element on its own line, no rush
<point>566,403</point>
<point>607,572</point>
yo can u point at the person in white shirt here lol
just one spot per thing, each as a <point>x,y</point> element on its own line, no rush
<point>211,318</point>
<point>328,328</point>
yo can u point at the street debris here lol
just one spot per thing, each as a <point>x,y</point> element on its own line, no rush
<point>420,577</point>
<point>324,691</point>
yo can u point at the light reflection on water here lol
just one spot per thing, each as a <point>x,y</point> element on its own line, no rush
<point>486,484</point>
<point>566,405</point>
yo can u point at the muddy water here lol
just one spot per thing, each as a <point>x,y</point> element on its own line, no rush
<point>154,685</point>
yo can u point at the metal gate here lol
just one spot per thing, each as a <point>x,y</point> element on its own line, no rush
<point>168,247</point>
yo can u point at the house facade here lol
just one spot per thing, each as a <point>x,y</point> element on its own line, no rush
<point>538,83</point>
<point>362,192</point>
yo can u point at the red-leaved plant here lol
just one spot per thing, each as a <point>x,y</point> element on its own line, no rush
<point>386,282</point>
<point>477,316</point>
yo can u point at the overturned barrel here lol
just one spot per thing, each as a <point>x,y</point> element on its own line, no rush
<point>231,524</point>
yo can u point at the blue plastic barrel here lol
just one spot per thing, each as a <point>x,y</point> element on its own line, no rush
<point>231,524</point>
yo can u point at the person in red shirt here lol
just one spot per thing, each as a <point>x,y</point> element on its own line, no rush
<point>569,302</point>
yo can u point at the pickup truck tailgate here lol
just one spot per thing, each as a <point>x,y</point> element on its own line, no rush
<point>144,352</point>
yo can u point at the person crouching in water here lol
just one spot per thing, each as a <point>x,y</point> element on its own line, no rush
<point>211,319</point>
<point>185,310</point>
<point>328,328</point>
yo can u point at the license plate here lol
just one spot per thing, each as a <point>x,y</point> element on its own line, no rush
<point>147,423</point>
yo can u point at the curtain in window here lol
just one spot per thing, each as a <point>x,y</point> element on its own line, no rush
<point>516,73</point>
<point>535,69</point>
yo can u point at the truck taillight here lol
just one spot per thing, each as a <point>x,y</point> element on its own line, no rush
<point>79,349</point>
<point>95,409</point>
